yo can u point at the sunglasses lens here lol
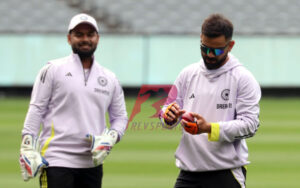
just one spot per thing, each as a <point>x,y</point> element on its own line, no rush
<point>215,51</point>
<point>218,52</point>
<point>205,50</point>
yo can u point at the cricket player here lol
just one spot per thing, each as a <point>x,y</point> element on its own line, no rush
<point>69,100</point>
<point>223,99</point>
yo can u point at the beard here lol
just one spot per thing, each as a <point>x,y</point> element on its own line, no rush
<point>84,54</point>
<point>216,65</point>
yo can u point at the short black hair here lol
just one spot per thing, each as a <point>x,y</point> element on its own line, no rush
<point>216,25</point>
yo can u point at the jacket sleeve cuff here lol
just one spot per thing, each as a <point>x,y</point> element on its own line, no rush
<point>215,132</point>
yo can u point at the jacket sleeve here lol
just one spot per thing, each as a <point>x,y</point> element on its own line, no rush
<point>40,97</point>
<point>246,121</point>
<point>117,110</point>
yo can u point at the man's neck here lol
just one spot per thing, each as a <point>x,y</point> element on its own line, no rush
<point>86,62</point>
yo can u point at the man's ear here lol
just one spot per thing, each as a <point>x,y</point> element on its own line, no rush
<point>231,44</point>
<point>69,38</point>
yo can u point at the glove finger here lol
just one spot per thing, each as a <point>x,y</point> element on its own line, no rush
<point>99,158</point>
<point>24,175</point>
<point>24,172</point>
<point>26,165</point>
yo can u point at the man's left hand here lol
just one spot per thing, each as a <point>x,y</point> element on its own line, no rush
<point>101,145</point>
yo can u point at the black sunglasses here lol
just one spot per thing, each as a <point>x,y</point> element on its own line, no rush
<point>215,51</point>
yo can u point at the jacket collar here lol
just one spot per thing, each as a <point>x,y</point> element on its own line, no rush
<point>232,63</point>
<point>77,60</point>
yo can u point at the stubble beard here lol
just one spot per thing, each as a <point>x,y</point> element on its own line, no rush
<point>216,65</point>
<point>84,54</point>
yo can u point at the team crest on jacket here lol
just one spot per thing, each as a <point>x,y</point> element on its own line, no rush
<point>102,81</point>
<point>225,94</point>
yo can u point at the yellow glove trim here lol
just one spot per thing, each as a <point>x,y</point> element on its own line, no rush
<point>215,132</point>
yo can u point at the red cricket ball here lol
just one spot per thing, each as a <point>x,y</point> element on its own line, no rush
<point>187,116</point>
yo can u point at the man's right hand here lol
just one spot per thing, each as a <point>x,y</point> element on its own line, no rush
<point>31,161</point>
<point>172,113</point>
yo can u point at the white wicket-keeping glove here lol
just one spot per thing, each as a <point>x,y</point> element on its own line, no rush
<point>101,145</point>
<point>31,161</point>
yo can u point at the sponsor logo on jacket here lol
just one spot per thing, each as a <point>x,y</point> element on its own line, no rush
<point>102,91</point>
<point>224,106</point>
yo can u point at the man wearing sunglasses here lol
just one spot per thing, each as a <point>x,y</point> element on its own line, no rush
<point>222,99</point>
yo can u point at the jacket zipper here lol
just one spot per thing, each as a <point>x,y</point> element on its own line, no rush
<point>84,77</point>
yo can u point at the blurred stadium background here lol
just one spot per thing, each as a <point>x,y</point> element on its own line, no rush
<point>149,42</point>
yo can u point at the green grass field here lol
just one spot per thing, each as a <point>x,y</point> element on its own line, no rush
<point>145,156</point>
